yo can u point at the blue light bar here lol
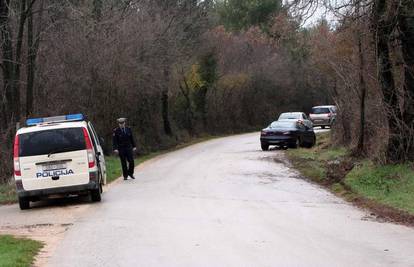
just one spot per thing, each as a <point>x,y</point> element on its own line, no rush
<point>70,117</point>
<point>75,117</point>
<point>31,122</point>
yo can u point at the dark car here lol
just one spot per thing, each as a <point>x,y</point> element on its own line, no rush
<point>287,134</point>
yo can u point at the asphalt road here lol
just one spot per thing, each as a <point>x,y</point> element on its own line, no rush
<point>226,203</point>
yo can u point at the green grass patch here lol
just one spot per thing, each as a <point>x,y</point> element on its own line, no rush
<point>391,185</point>
<point>19,252</point>
<point>312,162</point>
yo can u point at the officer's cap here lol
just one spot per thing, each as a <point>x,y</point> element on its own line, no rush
<point>121,120</point>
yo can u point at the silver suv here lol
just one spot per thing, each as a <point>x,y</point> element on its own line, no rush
<point>323,116</point>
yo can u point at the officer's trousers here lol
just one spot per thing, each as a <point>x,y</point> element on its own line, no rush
<point>127,155</point>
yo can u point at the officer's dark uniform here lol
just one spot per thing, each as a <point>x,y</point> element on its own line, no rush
<point>124,142</point>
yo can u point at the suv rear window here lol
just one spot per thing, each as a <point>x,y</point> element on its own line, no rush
<point>51,141</point>
<point>320,110</point>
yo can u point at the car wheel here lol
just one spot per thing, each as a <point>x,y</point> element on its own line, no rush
<point>313,141</point>
<point>301,143</point>
<point>265,147</point>
<point>296,144</point>
<point>24,203</point>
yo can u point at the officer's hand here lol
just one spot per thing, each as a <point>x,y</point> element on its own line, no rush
<point>116,151</point>
<point>134,149</point>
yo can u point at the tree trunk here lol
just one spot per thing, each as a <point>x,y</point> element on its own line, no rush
<point>165,104</point>
<point>17,61</point>
<point>165,112</point>
<point>406,25</point>
<point>7,61</point>
<point>190,114</point>
<point>384,28</point>
<point>362,87</point>
<point>30,64</point>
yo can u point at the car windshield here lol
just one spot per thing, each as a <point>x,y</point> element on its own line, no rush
<point>320,110</point>
<point>51,141</point>
<point>289,116</point>
<point>283,124</point>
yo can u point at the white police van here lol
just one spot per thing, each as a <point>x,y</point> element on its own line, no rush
<point>59,155</point>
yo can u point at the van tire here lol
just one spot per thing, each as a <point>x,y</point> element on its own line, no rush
<point>96,195</point>
<point>24,203</point>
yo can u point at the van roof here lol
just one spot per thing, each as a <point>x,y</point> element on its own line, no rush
<point>52,125</point>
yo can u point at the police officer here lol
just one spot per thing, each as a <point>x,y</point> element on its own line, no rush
<point>124,145</point>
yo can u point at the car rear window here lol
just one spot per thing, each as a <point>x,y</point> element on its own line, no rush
<point>320,110</point>
<point>288,116</point>
<point>283,124</point>
<point>51,141</point>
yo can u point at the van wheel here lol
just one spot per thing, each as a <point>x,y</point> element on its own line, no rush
<point>96,195</point>
<point>24,203</point>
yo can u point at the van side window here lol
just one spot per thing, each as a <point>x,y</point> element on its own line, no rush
<point>94,134</point>
<point>92,137</point>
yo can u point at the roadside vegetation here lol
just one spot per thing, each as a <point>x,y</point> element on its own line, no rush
<point>8,193</point>
<point>387,189</point>
<point>18,252</point>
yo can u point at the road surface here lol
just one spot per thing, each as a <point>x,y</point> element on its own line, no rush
<point>226,203</point>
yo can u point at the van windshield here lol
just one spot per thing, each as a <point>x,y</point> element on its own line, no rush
<point>51,141</point>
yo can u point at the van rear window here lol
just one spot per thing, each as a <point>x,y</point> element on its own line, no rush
<point>51,141</point>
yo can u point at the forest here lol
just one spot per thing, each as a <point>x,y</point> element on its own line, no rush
<point>181,69</point>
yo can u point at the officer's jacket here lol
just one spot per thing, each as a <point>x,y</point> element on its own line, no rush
<point>122,139</point>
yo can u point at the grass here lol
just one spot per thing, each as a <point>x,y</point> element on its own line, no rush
<point>18,252</point>
<point>388,185</point>
<point>392,185</point>
<point>7,193</point>
<point>312,162</point>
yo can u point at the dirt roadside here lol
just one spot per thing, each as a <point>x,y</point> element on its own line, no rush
<point>47,222</point>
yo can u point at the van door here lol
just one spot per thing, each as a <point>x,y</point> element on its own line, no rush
<point>99,149</point>
<point>53,158</point>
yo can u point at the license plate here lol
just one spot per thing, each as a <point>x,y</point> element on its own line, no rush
<point>52,167</point>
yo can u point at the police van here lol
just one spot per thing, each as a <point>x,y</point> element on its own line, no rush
<point>59,155</point>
